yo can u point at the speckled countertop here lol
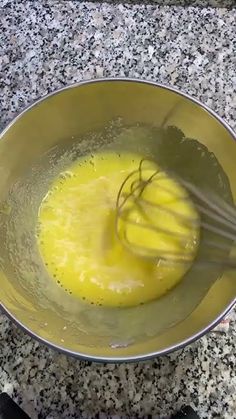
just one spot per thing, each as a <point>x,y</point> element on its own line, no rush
<point>45,45</point>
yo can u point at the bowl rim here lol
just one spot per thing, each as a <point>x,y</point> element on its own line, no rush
<point>128,358</point>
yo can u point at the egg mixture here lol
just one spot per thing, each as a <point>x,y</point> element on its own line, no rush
<point>78,242</point>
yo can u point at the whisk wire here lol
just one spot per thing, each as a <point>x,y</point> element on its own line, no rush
<point>216,215</point>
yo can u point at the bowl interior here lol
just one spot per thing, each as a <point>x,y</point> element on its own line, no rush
<point>40,143</point>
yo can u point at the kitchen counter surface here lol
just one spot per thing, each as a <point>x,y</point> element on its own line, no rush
<point>45,45</point>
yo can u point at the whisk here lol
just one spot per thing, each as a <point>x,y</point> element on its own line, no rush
<point>138,214</point>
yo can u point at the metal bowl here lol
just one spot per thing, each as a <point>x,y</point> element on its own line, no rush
<point>31,151</point>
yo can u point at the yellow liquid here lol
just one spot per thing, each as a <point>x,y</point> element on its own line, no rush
<point>79,246</point>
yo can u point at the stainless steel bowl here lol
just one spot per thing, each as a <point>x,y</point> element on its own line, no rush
<point>30,155</point>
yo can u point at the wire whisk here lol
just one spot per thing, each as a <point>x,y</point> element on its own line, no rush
<point>163,219</point>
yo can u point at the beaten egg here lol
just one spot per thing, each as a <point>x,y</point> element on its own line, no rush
<point>78,242</point>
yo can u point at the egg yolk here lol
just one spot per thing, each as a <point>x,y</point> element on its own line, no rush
<point>78,240</point>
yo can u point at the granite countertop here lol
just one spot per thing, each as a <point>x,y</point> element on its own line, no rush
<point>191,45</point>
